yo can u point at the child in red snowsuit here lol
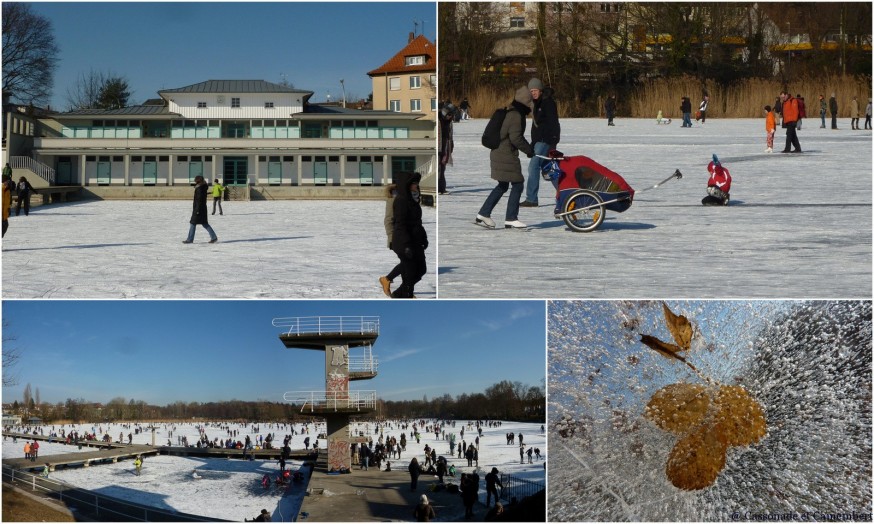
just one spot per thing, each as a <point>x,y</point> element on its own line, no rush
<point>718,185</point>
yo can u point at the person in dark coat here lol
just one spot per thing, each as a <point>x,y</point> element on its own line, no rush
<point>409,239</point>
<point>199,215</point>
<point>686,109</point>
<point>545,135</point>
<point>385,281</point>
<point>424,512</point>
<point>505,165</point>
<point>469,492</point>
<point>444,135</point>
<point>833,110</point>
<point>610,109</point>
<point>492,481</point>
<point>415,471</point>
<point>24,190</point>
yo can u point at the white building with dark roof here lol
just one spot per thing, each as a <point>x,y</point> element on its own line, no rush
<point>252,134</point>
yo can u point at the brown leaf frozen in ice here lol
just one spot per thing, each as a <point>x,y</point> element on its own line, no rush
<point>696,459</point>
<point>664,348</point>
<point>680,328</point>
<point>739,416</point>
<point>678,408</point>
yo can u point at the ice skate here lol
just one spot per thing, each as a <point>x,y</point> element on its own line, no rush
<point>485,222</point>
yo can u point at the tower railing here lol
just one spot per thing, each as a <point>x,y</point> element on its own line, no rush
<point>319,325</point>
<point>312,401</point>
<point>365,363</point>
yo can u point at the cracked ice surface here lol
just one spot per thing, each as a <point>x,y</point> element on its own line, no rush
<point>133,249</point>
<point>807,363</point>
<point>799,226</point>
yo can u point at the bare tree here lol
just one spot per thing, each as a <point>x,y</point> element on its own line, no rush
<point>11,356</point>
<point>467,35</point>
<point>98,90</point>
<point>29,54</point>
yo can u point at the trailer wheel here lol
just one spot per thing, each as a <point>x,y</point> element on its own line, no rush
<point>591,212</point>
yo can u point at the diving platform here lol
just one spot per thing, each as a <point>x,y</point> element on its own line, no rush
<point>318,332</point>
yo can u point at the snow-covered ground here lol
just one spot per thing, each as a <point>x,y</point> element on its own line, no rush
<point>133,249</point>
<point>797,226</point>
<point>231,489</point>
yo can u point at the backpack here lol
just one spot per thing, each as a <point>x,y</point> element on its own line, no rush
<point>492,133</point>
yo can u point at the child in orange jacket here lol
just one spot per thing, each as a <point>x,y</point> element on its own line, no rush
<point>770,128</point>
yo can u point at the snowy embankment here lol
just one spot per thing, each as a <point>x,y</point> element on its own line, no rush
<point>133,249</point>
<point>231,489</point>
<point>797,225</point>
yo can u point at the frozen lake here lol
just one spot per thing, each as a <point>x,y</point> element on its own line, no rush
<point>133,249</point>
<point>798,225</point>
<point>231,489</point>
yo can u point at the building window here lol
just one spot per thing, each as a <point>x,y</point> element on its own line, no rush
<point>433,79</point>
<point>415,82</point>
<point>415,105</point>
<point>517,22</point>
<point>235,102</point>
<point>201,105</point>
<point>394,105</point>
<point>414,60</point>
<point>433,104</point>
<point>394,83</point>
<point>268,105</point>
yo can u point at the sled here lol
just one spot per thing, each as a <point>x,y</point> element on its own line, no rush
<point>586,190</point>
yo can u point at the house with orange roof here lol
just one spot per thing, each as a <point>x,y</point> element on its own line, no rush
<point>407,82</point>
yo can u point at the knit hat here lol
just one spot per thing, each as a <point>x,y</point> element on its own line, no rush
<point>424,499</point>
<point>523,96</point>
<point>535,83</point>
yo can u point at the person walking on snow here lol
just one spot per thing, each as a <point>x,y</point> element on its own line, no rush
<point>545,135</point>
<point>391,191</point>
<point>702,109</point>
<point>854,114</point>
<point>822,110</point>
<point>790,118</point>
<point>409,239</point>
<point>833,110</point>
<point>198,214</point>
<point>217,191</point>
<point>610,109</point>
<point>505,165</point>
<point>7,200</point>
<point>24,190</point>
<point>802,111</point>
<point>492,480</point>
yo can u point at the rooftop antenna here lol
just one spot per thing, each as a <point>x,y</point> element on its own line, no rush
<point>415,26</point>
<point>284,79</point>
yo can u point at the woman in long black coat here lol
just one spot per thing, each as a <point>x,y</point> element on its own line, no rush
<point>415,471</point>
<point>199,214</point>
<point>409,239</point>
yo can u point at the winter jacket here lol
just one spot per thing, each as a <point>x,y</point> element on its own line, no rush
<point>407,230</point>
<point>822,106</point>
<point>24,188</point>
<point>610,107</point>
<point>868,109</point>
<point>217,190</point>
<point>833,106</point>
<point>388,221</point>
<point>802,109</point>
<point>545,126</point>
<point>770,122</point>
<point>199,214</point>
<point>720,178</point>
<point>686,106</point>
<point>703,106</point>
<point>854,108</point>
<point>424,513</point>
<point>504,160</point>
<point>790,110</point>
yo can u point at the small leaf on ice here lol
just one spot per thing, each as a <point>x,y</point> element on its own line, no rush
<point>680,328</point>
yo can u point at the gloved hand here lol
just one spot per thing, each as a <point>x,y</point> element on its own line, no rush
<point>530,155</point>
<point>408,253</point>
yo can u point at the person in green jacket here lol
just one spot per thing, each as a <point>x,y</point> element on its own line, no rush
<point>138,464</point>
<point>7,171</point>
<point>217,191</point>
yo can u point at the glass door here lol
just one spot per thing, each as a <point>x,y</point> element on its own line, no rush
<point>236,171</point>
<point>150,172</point>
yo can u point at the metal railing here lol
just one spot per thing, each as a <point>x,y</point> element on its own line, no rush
<point>319,325</point>
<point>519,488</point>
<point>366,363</point>
<point>38,168</point>
<point>427,168</point>
<point>311,401</point>
<point>94,504</point>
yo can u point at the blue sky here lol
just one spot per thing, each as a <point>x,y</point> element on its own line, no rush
<point>163,45</point>
<point>164,351</point>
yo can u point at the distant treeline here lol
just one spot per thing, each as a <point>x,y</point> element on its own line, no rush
<point>504,400</point>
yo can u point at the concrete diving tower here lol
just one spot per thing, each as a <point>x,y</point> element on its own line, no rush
<point>335,336</point>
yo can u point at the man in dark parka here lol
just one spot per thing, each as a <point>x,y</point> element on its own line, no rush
<point>199,214</point>
<point>409,239</point>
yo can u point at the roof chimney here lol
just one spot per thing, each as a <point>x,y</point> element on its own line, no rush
<point>412,37</point>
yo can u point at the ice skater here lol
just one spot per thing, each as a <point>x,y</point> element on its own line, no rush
<point>218,191</point>
<point>199,214</point>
